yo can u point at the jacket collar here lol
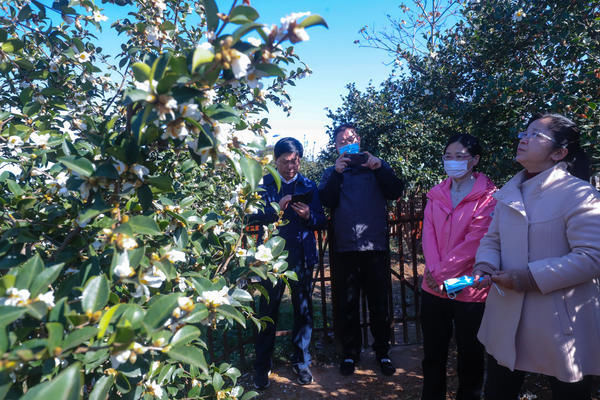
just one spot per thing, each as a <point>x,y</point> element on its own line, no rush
<point>268,180</point>
<point>511,193</point>
<point>481,186</point>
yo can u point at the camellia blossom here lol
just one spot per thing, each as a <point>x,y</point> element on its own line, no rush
<point>298,34</point>
<point>240,64</point>
<point>123,269</point>
<point>98,17</point>
<point>153,277</point>
<point>175,256</point>
<point>84,56</point>
<point>154,389</point>
<point>39,140</point>
<point>47,298</point>
<point>263,254</point>
<point>14,141</point>
<point>140,171</point>
<point>12,168</point>
<point>175,130</point>
<point>190,110</point>
<point>519,15</point>
<point>15,297</point>
<point>214,298</point>
<point>165,105</point>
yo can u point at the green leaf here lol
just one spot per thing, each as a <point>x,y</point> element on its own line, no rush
<point>190,355</point>
<point>277,245</point>
<point>275,175</point>
<point>78,336</point>
<point>252,171</point>
<point>107,170</point>
<point>12,45</point>
<point>102,387</point>
<point>231,312</point>
<point>242,30</point>
<point>211,10</point>
<point>217,381</point>
<point>37,310</point>
<point>313,20</point>
<point>9,314</point>
<point>141,71</point>
<point>95,294</point>
<point>185,335</point>
<point>160,311</point>
<point>28,271</point>
<point>201,56</point>
<point>97,208</point>
<point>243,14</point>
<point>80,165</point>
<point>106,319</point>
<point>161,182</point>
<point>44,279</point>
<point>66,386</point>
<point>144,225</point>
<point>222,112</point>
<point>270,70</point>
<point>144,194</point>
<point>55,336</point>
<point>14,187</point>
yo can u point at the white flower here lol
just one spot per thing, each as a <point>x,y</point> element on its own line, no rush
<point>251,209</point>
<point>175,256</point>
<point>433,55</point>
<point>154,389</point>
<point>186,303</point>
<point>58,183</point>
<point>153,277</point>
<point>84,56</point>
<point>14,141</point>
<point>123,269</point>
<point>519,15</point>
<point>218,229</point>
<point>120,358</point>
<point>98,17</point>
<point>14,169</point>
<point>120,166</point>
<point>240,63</point>
<point>16,297</point>
<point>215,298</point>
<point>209,97</point>
<point>298,35</point>
<point>203,152</point>
<point>128,243</point>
<point>263,253</point>
<point>141,290</point>
<point>47,298</point>
<point>254,41</point>
<point>165,105</point>
<point>145,86</point>
<point>84,190</point>
<point>176,130</point>
<point>292,18</point>
<point>140,171</point>
<point>154,35</point>
<point>181,284</point>
<point>39,140</point>
<point>241,252</point>
<point>190,110</point>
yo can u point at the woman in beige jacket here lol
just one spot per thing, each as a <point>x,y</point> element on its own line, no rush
<point>542,250</point>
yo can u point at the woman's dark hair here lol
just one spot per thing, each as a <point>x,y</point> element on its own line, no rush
<point>470,142</point>
<point>288,145</point>
<point>341,128</point>
<point>566,135</point>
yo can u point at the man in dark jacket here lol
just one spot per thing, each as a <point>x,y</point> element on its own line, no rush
<point>303,219</point>
<point>356,189</point>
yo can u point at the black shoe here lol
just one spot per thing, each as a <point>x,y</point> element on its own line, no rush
<point>347,367</point>
<point>261,381</point>
<point>387,368</point>
<point>304,375</point>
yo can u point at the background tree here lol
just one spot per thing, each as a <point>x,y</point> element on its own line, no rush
<point>499,64</point>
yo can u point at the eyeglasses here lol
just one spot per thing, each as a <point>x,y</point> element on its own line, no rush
<point>534,134</point>
<point>457,157</point>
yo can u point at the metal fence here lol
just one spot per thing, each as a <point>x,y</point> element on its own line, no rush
<point>405,261</point>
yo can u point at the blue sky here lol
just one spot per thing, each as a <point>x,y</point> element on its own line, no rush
<point>331,54</point>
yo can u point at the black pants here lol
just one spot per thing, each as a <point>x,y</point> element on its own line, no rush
<point>301,292</point>
<point>366,270</point>
<point>439,317</point>
<point>503,384</point>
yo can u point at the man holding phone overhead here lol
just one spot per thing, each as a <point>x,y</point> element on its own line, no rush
<point>298,199</point>
<point>356,189</point>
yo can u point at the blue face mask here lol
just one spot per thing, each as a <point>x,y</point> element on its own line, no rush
<point>351,148</point>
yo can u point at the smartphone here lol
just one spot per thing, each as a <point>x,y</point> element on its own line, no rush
<point>305,198</point>
<point>357,159</point>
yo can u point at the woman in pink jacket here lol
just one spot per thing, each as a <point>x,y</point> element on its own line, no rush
<point>457,216</point>
<point>543,251</point>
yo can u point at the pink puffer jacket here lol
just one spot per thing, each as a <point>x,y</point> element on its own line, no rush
<point>451,236</point>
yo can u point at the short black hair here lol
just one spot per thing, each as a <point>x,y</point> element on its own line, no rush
<point>341,128</point>
<point>470,142</point>
<point>288,145</point>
